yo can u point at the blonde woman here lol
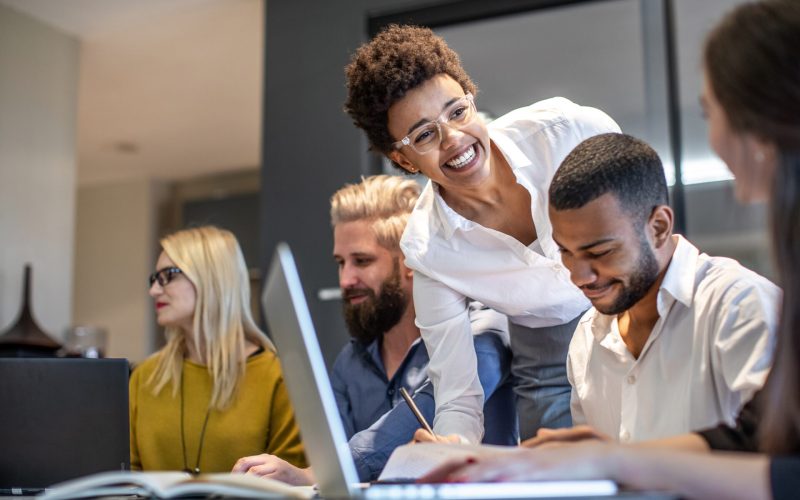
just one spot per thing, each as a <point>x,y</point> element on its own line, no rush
<point>215,392</point>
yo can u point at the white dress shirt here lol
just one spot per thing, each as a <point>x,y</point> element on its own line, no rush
<point>454,259</point>
<point>709,351</point>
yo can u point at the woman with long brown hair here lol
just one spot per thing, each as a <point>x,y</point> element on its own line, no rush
<point>751,99</point>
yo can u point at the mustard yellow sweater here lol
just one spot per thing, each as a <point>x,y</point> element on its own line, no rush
<point>260,419</point>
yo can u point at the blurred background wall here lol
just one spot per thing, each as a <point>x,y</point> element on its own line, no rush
<point>38,109</point>
<point>121,121</point>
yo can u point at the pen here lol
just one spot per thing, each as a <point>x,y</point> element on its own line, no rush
<point>415,410</point>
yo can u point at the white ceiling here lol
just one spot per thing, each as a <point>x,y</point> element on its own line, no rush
<point>168,88</point>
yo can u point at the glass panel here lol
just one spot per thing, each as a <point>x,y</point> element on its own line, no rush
<point>694,20</point>
<point>592,54</point>
<point>608,55</point>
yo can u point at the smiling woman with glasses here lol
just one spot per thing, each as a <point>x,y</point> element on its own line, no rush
<point>215,392</point>
<point>428,136</point>
<point>480,228</point>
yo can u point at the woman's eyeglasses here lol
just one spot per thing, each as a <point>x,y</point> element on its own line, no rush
<point>428,137</point>
<point>164,276</point>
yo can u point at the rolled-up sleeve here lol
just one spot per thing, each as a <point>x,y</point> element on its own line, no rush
<point>741,437</point>
<point>744,342</point>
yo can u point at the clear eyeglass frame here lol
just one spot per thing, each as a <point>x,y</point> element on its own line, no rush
<point>448,117</point>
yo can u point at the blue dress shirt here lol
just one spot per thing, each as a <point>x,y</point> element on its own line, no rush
<point>377,419</point>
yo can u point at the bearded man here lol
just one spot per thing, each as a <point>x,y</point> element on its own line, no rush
<point>677,340</point>
<point>386,352</point>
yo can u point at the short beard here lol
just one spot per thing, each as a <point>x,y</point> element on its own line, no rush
<point>642,278</point>
<point>376,315</point>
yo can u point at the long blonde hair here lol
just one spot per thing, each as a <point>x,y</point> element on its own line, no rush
<point>211,259</point>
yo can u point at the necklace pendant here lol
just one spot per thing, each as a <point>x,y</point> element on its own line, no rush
<point>196,470</point>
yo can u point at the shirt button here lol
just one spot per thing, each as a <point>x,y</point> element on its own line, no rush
<point>390,392</point>
<point>631,379</point>
<point>624,436</point>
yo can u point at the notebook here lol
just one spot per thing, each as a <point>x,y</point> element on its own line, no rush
<point>61,419</point>
<point>317,415</point>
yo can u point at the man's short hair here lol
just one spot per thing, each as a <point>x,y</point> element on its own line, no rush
<point>382,71</point>
<point>611,163</point>
<point>385,200</point>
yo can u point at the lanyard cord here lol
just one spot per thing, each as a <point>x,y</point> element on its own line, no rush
<point>186,468</point>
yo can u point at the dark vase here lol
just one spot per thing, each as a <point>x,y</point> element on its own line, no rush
<point>25,339</point>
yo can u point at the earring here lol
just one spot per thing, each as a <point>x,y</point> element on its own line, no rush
<point>759,156</point>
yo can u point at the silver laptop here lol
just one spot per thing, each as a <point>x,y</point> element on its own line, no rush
<point>321,427</point>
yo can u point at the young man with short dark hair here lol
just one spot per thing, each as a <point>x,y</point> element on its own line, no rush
<point>676,340</point>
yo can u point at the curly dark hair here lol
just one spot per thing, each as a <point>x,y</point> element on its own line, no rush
<point>382,71</point>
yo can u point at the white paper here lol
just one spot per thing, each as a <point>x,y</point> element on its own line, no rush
<point>412,461</point>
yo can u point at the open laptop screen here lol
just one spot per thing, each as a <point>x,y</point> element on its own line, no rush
<point>306,378</point>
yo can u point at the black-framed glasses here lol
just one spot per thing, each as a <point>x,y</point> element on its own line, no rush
<point>164,276</point>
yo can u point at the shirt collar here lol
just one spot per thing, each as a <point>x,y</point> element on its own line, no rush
<point>679,280</point>
<point>451,220</point>
<point>601,325</point>
<point>372,352</point>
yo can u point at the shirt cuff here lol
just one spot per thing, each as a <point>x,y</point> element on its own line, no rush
<point>461,426</point>
<point>726,438</point>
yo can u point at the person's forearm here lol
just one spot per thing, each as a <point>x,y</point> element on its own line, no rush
<point>692,475</point>
<point>685,442</point>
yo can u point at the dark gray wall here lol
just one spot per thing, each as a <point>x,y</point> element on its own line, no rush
<point>310,147</point>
